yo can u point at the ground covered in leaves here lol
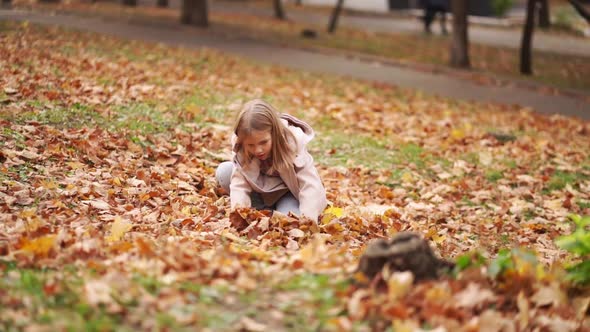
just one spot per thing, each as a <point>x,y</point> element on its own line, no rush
<point>491,65</point>
<point>111,218</point>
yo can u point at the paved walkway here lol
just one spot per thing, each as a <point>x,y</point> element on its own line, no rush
<point>429,83</point>
<point>487,35</point>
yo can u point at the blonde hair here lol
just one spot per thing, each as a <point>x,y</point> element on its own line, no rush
<point>259,115</point>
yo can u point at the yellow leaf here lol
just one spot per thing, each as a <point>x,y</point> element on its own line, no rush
<point>40,246</point>
<point>49,185</point>
<point>457,134</point>
<point>335,211</point>
<point>117,181</point>
<point>404,325</point>
<point>326,218</point>
<point>438,239</point>
<point>407,177</point>
<point>118,228</point>
<point>27,213</point>
<point>74,165</point>
<point>399,284</point>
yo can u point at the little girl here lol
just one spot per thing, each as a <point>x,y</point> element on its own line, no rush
<point>271,168</point>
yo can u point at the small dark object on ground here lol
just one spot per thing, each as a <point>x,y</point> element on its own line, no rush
<point>501,137</point>
<point>406,251</point>
<point>309,33</point>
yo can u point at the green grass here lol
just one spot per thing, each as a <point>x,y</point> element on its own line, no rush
<point>560,179</point>
<point>10,134</point>
<point>20,173</point>
<point>137,118</point>
<point>75,116</point>
<point>494,175</point>
<point>316,291</point>
<point>583,204</point>
<point>344,149</point>
<point>142,118</point>
<point>208,107</point>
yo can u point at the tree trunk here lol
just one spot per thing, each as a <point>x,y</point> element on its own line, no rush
<point>526,67</point>
<point>162,3</point>
<point>130,3</point>
<point>297,2</point>
<point>581,9</point>
<point>544,14</point>
<point>6,3</point>
<point>460,38</point>
<point>335,15</point>
<point>195,12</point>
<point>279,12</point>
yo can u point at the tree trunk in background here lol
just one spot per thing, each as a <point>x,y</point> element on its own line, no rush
<point>131,3</point>
<point>544,14</point>
<point>298,2</point>
<point>335,15</point>
<point>6,3</point>
<point>195,12</point>
<point>460,38</point>
<point>163,3</point>
<point>526,67</point>
<point>279,12</point>
<point>581,9</point>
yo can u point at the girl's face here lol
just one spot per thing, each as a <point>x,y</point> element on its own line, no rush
<point>258,144</point>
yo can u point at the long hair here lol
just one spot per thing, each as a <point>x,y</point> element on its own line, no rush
<point>259,115</point>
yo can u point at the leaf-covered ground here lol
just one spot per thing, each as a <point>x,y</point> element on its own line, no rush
<point>492,65</point>
<point>111,219</point>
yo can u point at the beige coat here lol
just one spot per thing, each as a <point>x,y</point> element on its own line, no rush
<point>302,180</point>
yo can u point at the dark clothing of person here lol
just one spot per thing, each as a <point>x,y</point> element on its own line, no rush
<point>431,8</point>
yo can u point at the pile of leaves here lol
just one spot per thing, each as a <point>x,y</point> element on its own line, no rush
<point>111,218</point>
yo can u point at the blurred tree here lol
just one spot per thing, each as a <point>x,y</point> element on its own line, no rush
<point>585,13</point>
<point>279,12</point>
<point>162,3</point>
<point>460,38</point>
<point>544,15</point>
<point>6,2</point>
<point>298,3</point>
<point>131,3</point>
<point>195,12</point>
<point>526,67</point>
<point>335,15</point>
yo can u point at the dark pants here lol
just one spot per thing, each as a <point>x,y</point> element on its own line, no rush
<point>430,12</point>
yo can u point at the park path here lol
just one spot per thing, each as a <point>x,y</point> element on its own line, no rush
<point>312,61</point>
<point>490,33</point>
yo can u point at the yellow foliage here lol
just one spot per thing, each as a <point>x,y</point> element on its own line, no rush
<point>118,229</point>
<point>39,246</point>
<point>335,211</point>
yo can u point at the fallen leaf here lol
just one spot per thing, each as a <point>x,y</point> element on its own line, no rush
<point>40,246</point>
<point>118,229</point>
<point>473,296</point>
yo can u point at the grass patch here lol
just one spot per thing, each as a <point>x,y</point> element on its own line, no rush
<point>315,292</point>
<point>9,134</point>
<point>75,116</point>
<point>494,175</point>
<point>20,173</point>
<point>142,118</point>
<point>207,107</point>
<point>561,179</point>
<point>583,204</point>
<point>345,149</point>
